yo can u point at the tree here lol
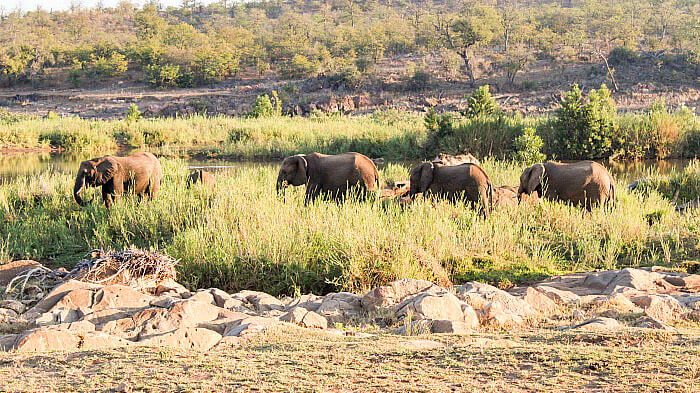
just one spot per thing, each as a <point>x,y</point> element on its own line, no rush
<point>469,32</point>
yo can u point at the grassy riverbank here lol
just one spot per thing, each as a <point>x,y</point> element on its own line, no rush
<point>244,236</point>
<point>395,135</point>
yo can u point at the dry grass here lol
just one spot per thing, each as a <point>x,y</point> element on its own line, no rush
<point>541,361</point>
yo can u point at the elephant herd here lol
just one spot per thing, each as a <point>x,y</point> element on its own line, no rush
<point>584,183</point>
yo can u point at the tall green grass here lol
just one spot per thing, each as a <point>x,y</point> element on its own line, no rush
<point>244,236</point>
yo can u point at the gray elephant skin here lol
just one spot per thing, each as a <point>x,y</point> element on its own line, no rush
<point>203,177</point>
<point>329,175</point>
<point>139,174</point>
<point>466,181</point>
<point>583,183</point>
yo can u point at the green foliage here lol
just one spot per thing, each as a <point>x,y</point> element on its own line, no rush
<point>585,127</point>
<point>528,147</point>
<point>299,66</point>
<point>133,113</point>
<point>108,66</point>
<point>419,80</point>
<point>265,106</point>
<point>163,75</point>
<point>621,56</point>
<point>480,103</point>
<point>349,77</point>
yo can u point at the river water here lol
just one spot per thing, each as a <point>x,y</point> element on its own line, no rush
<point>31,163</point>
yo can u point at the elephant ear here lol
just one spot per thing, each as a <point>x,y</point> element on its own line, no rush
<point>106,170</point>
<point>301,172</point>
<point>426,175</point>
<point>535,178</point>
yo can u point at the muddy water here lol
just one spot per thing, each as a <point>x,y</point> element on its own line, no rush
<point>31,163</point>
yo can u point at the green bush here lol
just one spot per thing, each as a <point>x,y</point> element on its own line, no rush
<point>163,75</point>
<point>481,103</point>
<point>622,56</point>
<point>108,66</point>
<point>133,113</point>
<point>419,80</point>
<point>349,76</point>
<point>299,66</point>
<point>585,128</point>
<point>266,107</point>
<point>528,147</point>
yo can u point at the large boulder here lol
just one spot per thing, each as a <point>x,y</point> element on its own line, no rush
<point>310,302</point>
<point>479,295</point>
<point>305,318</point>
<point>394,293</point>
<point>10,270</point>
<point>663,308</point>
<point>614,280</point>
<point>190,338</point>
<point>540,302</point>
<point>560,296</point>
<point>260,301</point>
<point>48,302</point>
<point>431,305</point>
<point>339,307</point>
<point>599,323</point>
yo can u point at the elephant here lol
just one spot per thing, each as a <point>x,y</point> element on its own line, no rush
<point>583,183</point>
<point>466,181</point>
<point>330,175</point>
<point>459,159</point>
<point>694,204</point>
<point>396,190</point>
<point>139,174</point>
<point>504,196</point>
<point>202,176</point>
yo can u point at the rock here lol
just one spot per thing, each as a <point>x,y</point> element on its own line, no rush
<point>560,296</point>
<point>478,295</point>
<point>13,305</point>
<point>540,301</point>
<point>494,313</point>
<point>7,314</point>
<point>163,301</point>
<point>73,327</point>
<point>250,325</point>
<point>46,340</point>
<point>609,281</point>
<point>578,314</point>
<point>305,318</point>
<point>617,302</point>
<point>442,305</point>
<point>120,296</point>
<point>204,296</point>
<point>661,307</point>
<point>453,327</point>
<point>262,302</point>
<point>690,282</point>
<point>170,286</point>
<point>469,316</point>
<point>57,294</point>
<point>58,315</point>
<point>190,338</point>
<point>10,270</point>
<point>223,299</point>
<point>310,302</point>
<point>394,293</point>
<point>338,307</point>
<point>75,299</point>
<point>648,322</point>
<point>7,341</point>
<point>600,323</point>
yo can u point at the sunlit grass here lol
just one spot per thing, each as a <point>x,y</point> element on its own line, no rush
<point>243,235</point>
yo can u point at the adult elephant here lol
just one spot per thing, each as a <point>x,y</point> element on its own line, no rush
<point>466,181</point>
<point>139,174</point>
<point>330,175</point>
<point>584,183</point>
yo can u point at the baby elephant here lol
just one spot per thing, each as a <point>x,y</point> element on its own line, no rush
<point>139,174</point>
<point>505,196</point>
<point>331,175</point>
<point>583,183</point>
<point>203,177</point>
<point>466,181</point>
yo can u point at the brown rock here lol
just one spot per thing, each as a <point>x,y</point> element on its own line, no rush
<point>101,340</point>
<point>47,340</point>
<point>478,295</point>
<point>452,327</point>
<point>58,293</point>
<point>120,296</point>
<point>190,338</point>
<point>14,305</point>
<point>10,270</point>
<point>204,296</point>
<point>305,318</point>
<point>600,323</point>
<point>648,322</point>
<point>661,307</point>
<point>560,296</point>
<point>7,341</point>
<point>540,302</point>
<point>310,302</point>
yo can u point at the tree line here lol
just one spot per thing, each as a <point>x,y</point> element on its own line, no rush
<point>196,44</point>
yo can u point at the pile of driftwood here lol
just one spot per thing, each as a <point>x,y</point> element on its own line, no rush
<point>132,267</point>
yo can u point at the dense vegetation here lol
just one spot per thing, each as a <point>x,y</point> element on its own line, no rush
<point>199,44</point>
<point>245,236</point>
<point>587,126</point>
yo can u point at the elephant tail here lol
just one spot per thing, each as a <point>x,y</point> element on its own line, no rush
<point>612,194</point>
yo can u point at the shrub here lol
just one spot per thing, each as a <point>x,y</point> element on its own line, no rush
<point>585,128</point>
<point>480,103</point>
<point>108,66</point>
<point>349,77</point>
<point>299,66</point>
<point>163,75</point>
<point>419,80</point>
<point>133,113</point>
<point>622,56</point>
<point>266,107</point>
<point>528,147</point>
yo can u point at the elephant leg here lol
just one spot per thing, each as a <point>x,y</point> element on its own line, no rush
<point>312,192</point>
<point>153,188</point>
<point>107,197</point>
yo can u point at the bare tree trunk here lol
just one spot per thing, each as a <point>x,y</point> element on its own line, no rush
<point>464,53</point>
<point>611,72</point>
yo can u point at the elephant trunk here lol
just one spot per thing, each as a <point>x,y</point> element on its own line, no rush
<point>280,184</point>
<point>78,188</point>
